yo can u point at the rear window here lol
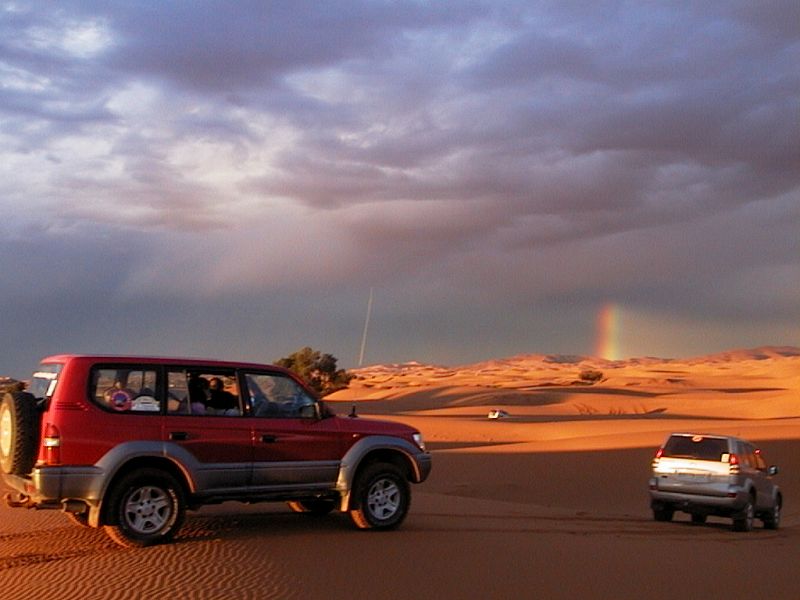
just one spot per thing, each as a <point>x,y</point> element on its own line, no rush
<point>43,382</point>
<point>696,446</point>
<point>125,389</point>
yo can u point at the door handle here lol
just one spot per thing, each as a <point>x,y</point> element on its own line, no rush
<point>178,436</point>
<point>268,438</point>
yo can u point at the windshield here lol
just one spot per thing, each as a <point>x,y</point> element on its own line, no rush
<point>43,383</point>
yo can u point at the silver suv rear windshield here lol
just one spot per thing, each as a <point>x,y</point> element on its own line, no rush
<point>696,446</point>
<point>43,382</point>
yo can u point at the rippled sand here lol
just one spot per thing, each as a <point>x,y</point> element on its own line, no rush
<point>550,503</point>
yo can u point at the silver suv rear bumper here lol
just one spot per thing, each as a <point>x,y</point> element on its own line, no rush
<point>733,499</point>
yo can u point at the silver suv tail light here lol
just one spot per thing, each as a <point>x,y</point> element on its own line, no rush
<point>733,464</point>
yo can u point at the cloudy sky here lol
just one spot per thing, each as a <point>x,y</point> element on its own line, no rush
<point>230,179</point>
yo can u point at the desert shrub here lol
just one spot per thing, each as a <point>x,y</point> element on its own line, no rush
<point>590,376</point>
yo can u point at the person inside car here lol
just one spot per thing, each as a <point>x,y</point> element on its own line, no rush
<point>220,400</point>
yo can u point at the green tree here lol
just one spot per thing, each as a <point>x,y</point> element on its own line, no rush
<point>317,370</point>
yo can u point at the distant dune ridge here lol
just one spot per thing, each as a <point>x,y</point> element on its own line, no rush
<point>552,369</point>
<point>584,396</point>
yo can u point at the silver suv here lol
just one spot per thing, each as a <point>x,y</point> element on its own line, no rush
<point>714,475</point>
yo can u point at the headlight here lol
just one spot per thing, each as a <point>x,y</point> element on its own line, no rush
<point>419,441</point>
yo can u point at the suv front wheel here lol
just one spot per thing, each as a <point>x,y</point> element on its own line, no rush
<point>146,507</point>
<point>381,497</point>
<point>772,520</point>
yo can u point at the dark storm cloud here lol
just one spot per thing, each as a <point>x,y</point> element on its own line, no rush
<point>497,169</point>
<point>211,45</point>
<point>559,124</point>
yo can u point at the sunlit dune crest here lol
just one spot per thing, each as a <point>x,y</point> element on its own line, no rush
<point>581,401</point>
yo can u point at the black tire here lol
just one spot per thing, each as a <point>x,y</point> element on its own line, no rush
<point>698,518</point>
<point>381,497</point>
<point>145,507</point>
<point>773,519</point>
<point>743,521</point>
<point>316,507</point>
<point>663,513</point>
<point>19,433</point>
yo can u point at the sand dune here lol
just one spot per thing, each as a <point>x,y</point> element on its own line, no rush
<point>549,503</point>
<point>772,371</point>
<point>580,403</point>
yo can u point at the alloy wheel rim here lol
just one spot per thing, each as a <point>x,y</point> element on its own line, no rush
<point>383,499</point>
<point>147,509</point>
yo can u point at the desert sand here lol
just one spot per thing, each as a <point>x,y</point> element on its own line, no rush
<point>550,502</point>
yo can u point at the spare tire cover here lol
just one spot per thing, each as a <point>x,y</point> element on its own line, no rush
<point>19,433</point>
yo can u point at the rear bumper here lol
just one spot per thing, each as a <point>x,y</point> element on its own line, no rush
<point>49,487</point>
<point>730,500</point>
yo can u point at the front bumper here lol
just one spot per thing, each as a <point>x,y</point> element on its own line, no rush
<point>424,465</point>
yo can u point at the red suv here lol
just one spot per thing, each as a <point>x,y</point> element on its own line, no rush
<point>130,443</point>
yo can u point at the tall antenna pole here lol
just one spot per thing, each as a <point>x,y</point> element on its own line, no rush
<point>366,325</point>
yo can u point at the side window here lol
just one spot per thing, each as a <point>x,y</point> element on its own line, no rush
<point>277,396</point>
<point>177,393</point>
<point>748,455</point>
<point>125,389</point>
<point>201,392</point>
<point>761,464</point>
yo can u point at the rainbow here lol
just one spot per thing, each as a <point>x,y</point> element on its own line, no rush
<point>608,319</point>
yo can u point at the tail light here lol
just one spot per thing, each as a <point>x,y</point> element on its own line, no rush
<point>657,457</point>
<point>733,464</point>
<point>52,445</point>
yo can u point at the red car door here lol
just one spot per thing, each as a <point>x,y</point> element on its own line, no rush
<point>217,443</point>
<point>292,445</point>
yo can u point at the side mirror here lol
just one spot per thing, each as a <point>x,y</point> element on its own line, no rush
<point>773,470</point>
<point>309,411</point>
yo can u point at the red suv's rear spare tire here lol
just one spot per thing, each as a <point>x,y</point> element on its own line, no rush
<point>19,432</point>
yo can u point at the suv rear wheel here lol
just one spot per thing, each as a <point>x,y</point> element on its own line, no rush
<point>19,433</point>
<point>662,513</point>
<point>744,520</point>
<point>698,518</point>
<point>381,497</point>
<point>146,507</point>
